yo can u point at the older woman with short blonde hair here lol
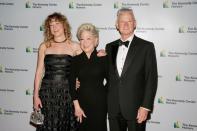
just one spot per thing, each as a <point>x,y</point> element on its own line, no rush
<point>90,99</point>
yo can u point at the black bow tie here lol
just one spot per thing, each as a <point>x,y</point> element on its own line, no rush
<point>126,43</point>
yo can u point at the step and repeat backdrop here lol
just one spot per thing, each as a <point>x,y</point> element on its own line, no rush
<point>170,24</point>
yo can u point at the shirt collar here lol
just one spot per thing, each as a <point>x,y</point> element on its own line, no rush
<point>129,39</point>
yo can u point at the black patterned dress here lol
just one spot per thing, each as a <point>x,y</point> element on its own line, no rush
<point>54,93</point>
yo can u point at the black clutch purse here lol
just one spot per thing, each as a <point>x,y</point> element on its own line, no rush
<point>37,118</point>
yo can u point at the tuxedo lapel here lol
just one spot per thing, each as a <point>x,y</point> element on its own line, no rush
<point>130,55</point>
<point>114,55</point>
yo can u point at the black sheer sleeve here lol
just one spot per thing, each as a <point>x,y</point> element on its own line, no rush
<point>73,76</point>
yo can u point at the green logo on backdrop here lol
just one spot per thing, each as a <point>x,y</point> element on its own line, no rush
<point>71,5</point>
<point>1,68</point>
<point>28,49</point>
<point>167,4</point>
<point>1,28</point>
<point>116,5</point>
<point>161,100</point>
<point>177,124</point>
<point>182,29</point>
<point>163,53</point>
<point>28,91</point>
<point>178,77</point>
<point>1,111</point>
<point>42,28</point>
<point>28,4</point>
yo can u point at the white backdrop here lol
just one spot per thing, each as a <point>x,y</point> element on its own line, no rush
<point>170,24</point>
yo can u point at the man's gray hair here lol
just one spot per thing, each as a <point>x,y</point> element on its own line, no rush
<point>122,10</point>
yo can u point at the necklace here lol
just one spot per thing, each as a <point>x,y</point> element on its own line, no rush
<point>59,41</point>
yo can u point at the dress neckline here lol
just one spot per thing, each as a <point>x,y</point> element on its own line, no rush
<point>92,56</point>
<point>58,55</point>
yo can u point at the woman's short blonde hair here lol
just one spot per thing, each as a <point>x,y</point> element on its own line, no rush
<point>87,27</point>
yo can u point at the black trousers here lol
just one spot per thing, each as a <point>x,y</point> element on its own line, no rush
<point>119,123</point>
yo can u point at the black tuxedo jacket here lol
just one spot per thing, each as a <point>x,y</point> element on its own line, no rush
<point>136,87</point>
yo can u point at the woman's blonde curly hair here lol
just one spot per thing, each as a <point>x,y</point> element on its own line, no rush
<point>48,37</point>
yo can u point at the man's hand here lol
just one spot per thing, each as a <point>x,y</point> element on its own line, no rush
<point>77,83</point>
<point>142,114</point>
<point>101,53</point>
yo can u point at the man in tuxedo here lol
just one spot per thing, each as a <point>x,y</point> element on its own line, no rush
<point>132,77</point>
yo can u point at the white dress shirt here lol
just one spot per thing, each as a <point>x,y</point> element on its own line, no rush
<point>122,54</point>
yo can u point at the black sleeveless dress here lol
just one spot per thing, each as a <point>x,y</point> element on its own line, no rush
<point>54,94</point>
